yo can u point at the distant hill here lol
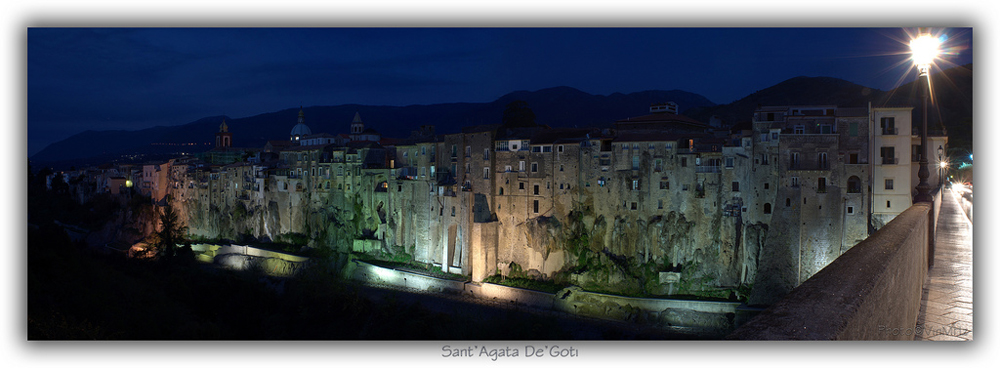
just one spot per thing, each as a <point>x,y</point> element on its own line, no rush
<point>557,107</point>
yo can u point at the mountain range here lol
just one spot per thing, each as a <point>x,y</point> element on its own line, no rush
<point>556,107</point>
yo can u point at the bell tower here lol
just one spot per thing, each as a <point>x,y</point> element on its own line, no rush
<point>223,139</point>
<point>357,127</point>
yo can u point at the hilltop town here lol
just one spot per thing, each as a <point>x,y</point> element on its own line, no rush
<point>656,204</point>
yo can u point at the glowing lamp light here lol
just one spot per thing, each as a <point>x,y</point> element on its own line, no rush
<point>944,165</point>
<point>128,183</point>
<point>924,49</point>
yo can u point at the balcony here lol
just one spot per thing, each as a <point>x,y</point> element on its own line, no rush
<point>708,169</point>
<point>890,131</point>
<point>890,160</point>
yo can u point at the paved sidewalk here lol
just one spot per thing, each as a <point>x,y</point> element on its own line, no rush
<point>946,306</point>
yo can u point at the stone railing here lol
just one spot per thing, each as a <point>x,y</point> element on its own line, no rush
<point>870,291</point>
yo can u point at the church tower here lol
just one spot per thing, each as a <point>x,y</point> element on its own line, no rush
<point>357,127</point>
<point>223,139</point>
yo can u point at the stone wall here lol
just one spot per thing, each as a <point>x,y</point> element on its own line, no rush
<point>875,286</point>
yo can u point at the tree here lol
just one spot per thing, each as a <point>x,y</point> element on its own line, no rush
<point>170,231</point>
<point>518,115</point>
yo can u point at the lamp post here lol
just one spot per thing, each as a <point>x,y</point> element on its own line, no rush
<point>924,49</point>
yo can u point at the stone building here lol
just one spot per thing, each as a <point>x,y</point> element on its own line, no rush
<point>814,160</point>
<point>767,203</point>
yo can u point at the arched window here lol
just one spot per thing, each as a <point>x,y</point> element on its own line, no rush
<point>501,190</point>
<point>854,185</point>
<point>767,208</point>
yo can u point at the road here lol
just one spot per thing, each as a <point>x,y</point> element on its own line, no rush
<point>964,195</point>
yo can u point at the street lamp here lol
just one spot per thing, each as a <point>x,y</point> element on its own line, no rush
<point>924,49</point>
<point>942,166</point>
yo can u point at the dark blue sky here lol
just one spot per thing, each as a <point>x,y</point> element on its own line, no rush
<point>120,78</point>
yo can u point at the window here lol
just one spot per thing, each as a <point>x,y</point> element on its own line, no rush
<point>821,185</point>
<point>685,187</point>
<point>795,181</point>
<point>915,152</point>
<point>536,206</point>
<point>664,184</point>
<point>767,185</point>
<point>888,126</point>
<point>423,171</point>
<point>850,210</point>
<point>521,186</point>
<point>799,129</point>
<point>736,186</point>
<point>659,204</point>
<point>763,160</point>
<point>486,153</point>
<point>774,136</point>
<point>634,206</point>
<point>635,184</point>
<point>560,185</point>
<point>423,150</point>
<point>546,148</point>
<point>854,184</point>
<point>560,167</point>
<point>520,166</point>
<point>536,189</point>
<point>888,184</point>
<point>852,158</point>
<point>452,211</point>
<point>684,162</point>
<point>853,130</point>
<point>788,202</point>
<point>767,208</point>
<point>534,167</point>
<point>888,155</point>
<point>888,204</point>
<point>822,161</point>
<point>507,168</point>
<point>536,149</point>
<point>501,190</point>
<point>454,150</point>
<point>635,162</point>
<point>658,165</point>
<point>468,151</point>
<point>793,159</point>
<point>486,173</point>
<point>560,148</point>
<point>825,129</point>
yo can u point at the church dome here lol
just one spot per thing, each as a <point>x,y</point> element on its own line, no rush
<point>300,129</point>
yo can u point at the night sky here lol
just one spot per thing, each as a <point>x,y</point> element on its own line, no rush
<point>132,78</point>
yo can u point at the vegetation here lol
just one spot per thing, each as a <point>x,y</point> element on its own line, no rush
<point>527,283</point>
<point>518,115</point>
